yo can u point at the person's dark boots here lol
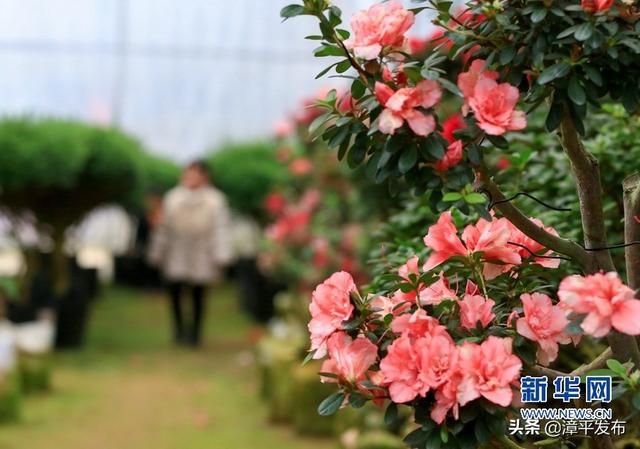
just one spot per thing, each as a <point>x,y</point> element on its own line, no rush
<point>181,338</point>
<point>193,338</point>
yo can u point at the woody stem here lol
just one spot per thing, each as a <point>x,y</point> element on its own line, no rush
<point>586,172</point>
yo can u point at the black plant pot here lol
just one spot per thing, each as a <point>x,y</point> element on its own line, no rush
<point>134,271</point>
<point>256,290</point>
<point>41,297</point>
<point>73,308</point>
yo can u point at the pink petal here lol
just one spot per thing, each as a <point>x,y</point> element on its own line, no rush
<point>368,52</point>
<point>421,124</point>
<point>501,396</point>
<point>596,325</point>
<point>626,318</point>
<point>401,393</point>
<point>383,93</point>
<point>388,122</point>
<point>434,260</point>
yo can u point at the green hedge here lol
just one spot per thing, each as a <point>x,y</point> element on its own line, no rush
<point>61,169</point>
<point>246,173</point>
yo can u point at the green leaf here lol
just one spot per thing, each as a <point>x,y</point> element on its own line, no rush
<point>432,147</point>
<point>343,66</point>
<point>507,54</point>
<point>575,91</point>
<point>584,31</point>
<point>331,404</point>
<point>451,197</point>
<point>434,441</point>
<point>498,141</point>
<point>539,15</point>
<point>552,72</point>
<point>475,198</point>
<point>339,137</point>
<point>635,400</point>
<point>391,414</point>
<point>554,117</point>
<point>408,159</point>
<point>356,154</point>
<point>357,400</point>
<point>416,438</point>
<point>290,11</point>
<point>328,50</point>
<point>547,442</point>
<point>318,122</point>
<point>568,32</point>
<point>481,431</point>
<point>308,357</point>
<point>450,87</point>
<point>617,367</point>
<point>600,372</point>
<point>357,89</point>
<point>326,70</point>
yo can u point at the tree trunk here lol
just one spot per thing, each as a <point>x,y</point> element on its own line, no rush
<point>631,197</point>
<point>587,175</point>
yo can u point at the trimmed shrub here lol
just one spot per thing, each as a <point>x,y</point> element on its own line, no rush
<point>246,173</point>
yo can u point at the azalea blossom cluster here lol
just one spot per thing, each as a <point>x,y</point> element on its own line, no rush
<point>302,242</point>
<point>381,33</point>
<point>454,339</point>
<point>385,26</point>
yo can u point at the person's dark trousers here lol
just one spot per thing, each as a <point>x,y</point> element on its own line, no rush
<point>187,332</point>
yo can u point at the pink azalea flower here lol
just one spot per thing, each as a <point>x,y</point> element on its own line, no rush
<point>275,203</point>
<point>605,300</point>
<point>476,309</point>
<point>401,370</point>
<point>490,237</point>
<point>320,247</point>
<point>437,292</point>
<point>514,315</point>
<point>346,104</point>
<point>443,239</point>
<point>330,306</point>
<point>418,325</point>
<point>468,80</point>
<point>300,166</point>
<point>448,397</point>
<point>489,371</point>
<point>417,45</point>
<point>593,6</point>
<point>395,305</point>
<point>348,359</point>
<point>283,129</point>
<point>382,25</point>
<point>411,267</point>
<point>452,156</point>
<point>400,106</point>
<point>308,110</point>
<point>439,360</point>
<point>533,247</point>
<point>452,124</point>
<point>310,200</point>
<point>397,76</point>
<point>494,105</point>
<point>503,163</point>
<point>543,323</point>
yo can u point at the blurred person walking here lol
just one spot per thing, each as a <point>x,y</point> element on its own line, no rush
<point>191,245</point>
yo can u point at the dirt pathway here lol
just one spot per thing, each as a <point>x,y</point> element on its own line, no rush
<point>130,389</point>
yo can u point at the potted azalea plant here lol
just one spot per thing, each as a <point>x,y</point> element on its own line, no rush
<point>468,328</point>
<point>53,172</point>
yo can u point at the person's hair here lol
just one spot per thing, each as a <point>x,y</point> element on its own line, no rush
<point>200,164</point>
